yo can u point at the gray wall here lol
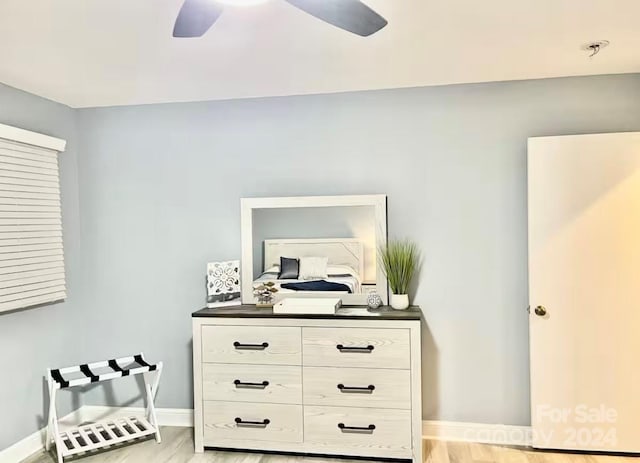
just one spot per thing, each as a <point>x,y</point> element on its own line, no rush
<point>160,188</point>
<point>316,222</point>
<point>48,336</point>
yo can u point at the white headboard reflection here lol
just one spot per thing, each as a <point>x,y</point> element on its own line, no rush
<point>340,251</point>
<point>349,253</point>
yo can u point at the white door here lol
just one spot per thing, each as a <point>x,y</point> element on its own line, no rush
<point>584,291</point>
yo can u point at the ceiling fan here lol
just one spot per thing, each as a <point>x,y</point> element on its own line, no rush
<point>197,16</point>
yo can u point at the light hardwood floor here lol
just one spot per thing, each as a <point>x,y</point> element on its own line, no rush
<point>177,447</point>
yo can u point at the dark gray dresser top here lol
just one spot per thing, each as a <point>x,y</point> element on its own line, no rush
<point>343,313</point>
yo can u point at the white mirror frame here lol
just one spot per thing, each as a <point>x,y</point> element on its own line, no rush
<point>247,205</point>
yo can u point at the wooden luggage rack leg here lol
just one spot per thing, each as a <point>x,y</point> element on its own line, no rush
<point>151,382</point>
<point>52,423</point>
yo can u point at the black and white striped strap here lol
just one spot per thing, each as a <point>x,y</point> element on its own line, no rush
<point>88,373</point>
<point>115,367</point>
<point>134,366</point>
<point>57,377</point>
<point>141,361</point>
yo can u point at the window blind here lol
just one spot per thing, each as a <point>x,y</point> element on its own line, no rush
<point>31,253</point>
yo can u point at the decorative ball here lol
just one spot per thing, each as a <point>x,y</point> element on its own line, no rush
<point>374,300</point>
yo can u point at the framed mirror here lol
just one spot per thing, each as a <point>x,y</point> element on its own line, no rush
<point>314,246</point>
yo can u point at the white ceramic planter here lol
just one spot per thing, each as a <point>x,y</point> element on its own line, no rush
<point>399,301</point>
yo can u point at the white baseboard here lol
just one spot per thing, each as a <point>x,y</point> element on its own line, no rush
<point>24,448</point>
<point>477,432</point>
<point>35,442</point>
<point>183,417</point>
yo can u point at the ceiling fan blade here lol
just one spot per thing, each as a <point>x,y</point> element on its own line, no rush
<point>350,15</point>
<point>196,17</point>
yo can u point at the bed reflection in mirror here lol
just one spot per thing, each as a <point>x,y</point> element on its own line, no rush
<point>314,246</point>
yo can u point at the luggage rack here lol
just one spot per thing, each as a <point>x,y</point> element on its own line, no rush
<point>107,433</point>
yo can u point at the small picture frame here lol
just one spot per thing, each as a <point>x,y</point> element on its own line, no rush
<point>223,284</point>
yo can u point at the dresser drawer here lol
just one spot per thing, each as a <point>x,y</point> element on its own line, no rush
<point>374,432</point>
<point>252,383</point>
<point>357,387</point>
<point>251,421</point>
<point>251,344</point>
<point>356,347</point>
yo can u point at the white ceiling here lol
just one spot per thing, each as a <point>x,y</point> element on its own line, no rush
<point>117,52</point>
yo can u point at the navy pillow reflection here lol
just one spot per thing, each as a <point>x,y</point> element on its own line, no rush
<point>289,269</point>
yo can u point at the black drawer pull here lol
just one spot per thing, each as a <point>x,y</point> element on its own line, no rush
<point>357,389</point>
<point>362,350</point>
<point>252,424</point>
<point>357,429</point>
<point>240,384</point>
<point>240,346</point>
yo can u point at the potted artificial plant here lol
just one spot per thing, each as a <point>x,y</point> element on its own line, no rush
<point>399,260</point>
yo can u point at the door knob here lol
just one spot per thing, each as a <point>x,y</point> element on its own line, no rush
<point>540,311</point>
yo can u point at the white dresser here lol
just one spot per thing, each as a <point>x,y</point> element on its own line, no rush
<point>344,384</point>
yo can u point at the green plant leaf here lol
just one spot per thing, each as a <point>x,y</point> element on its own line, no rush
<point>399,260</point>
